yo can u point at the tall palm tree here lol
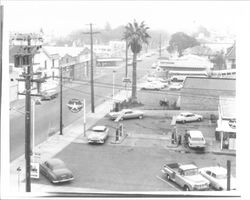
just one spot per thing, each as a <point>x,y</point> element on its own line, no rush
<point>135,35</point>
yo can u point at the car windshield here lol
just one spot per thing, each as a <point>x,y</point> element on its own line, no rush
<point>191,172</point>
<point>99,130</point>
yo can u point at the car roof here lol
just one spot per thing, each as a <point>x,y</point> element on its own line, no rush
<point>126,110</point>
<point>195,134</point>
<point>99,128</point>
<point>216,169</point>
<point>186,113</point>
<point>187,167</point>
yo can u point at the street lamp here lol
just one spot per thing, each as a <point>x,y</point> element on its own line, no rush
<point>113,83</point>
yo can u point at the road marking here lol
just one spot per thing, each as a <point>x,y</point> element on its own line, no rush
<point>177,189</point>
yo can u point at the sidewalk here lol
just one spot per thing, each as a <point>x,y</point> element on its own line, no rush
<point>57,142</point>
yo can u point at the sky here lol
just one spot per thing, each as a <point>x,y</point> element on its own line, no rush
<point>63,17</point>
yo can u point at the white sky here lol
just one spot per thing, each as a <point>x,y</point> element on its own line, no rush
<point>62,17</point>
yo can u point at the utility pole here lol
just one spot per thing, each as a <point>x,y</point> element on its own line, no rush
<point>28,52</point>
<point>61,120</point>
<point>160,47</point>
<point>228,174</point>
<point>92,68</point>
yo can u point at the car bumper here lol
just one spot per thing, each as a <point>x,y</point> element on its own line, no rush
<point>63,180</point>
<point>99,141</point>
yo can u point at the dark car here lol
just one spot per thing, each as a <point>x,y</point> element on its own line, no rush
<point>55,170</point>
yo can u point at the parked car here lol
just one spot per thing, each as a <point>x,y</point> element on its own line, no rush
<point>186,176</point>
<point>175,86</point>
<point>152,86</point>
<point>188,117</point>
<point>218,177</point>
<point>126,114</point>
<point>55,170</point>
<point>98,134</point>
<point>195,139</point>
<point>49,94</point>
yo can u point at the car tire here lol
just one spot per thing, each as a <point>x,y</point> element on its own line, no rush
<point>168,177</point>
<point>186,188</point>
<point>199,119</point>
<point>140,117</point>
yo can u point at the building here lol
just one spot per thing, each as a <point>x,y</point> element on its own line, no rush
<point>203,93</point>
<point>231,57</point>
<point>226,123</point>
<point>47,65</point>
<point>184,63</point>
<point>75,61</point>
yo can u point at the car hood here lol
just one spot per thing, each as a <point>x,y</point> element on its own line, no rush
<point>196,179</point>
<point>62,172</point>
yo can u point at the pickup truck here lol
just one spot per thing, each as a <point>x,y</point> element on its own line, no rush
<point>186,176</point>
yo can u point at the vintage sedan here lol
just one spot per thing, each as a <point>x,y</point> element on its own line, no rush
<point>98,134</point>
<point>218,177</point>
<point>153,86</point>
<point>126,114</point>
<point>55,170</point>
<point>175,86</point>
<point>188,117</point>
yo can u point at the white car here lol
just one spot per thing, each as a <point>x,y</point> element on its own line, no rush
<point>175,86</point>
<point>126,114</point>
<point>152,86</point>
<point>195,139</point>
<point>218,177</point>
<point>98,134</point>
<point>188,117</point>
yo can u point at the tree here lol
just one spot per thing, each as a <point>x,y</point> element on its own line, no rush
<point>219,61</point>
<point>181,41</point>
<point>136,35</point>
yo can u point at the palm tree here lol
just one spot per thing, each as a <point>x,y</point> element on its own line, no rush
<point>135,35</point>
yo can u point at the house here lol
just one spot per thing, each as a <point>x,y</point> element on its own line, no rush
<point>231,57</point>
<point>184,63</point>
<point>203,93</point>
<point>43,63</point>
<point>226,123</point>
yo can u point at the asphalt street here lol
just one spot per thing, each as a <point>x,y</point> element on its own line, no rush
<point>47,114</point>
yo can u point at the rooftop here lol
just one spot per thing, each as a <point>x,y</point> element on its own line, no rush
<point>210,83</point>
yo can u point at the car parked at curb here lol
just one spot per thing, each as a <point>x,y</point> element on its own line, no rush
<point>49,94</point>
<point>56,171</point>
<point>217,177</point>
<point>126,114</point>
<point>175,86</point>
<point>188,117</point>
<point>98,134</point>
<point>153,86</point>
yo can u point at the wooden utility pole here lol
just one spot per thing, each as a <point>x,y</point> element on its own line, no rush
<point>228,174</point>
<point>61,93</point>
<point>92,68</point>
<point>28,52</point>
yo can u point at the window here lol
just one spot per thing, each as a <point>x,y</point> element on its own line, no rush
<point>208,173</point>
<point>45,64</point>
<point>53,63</point>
